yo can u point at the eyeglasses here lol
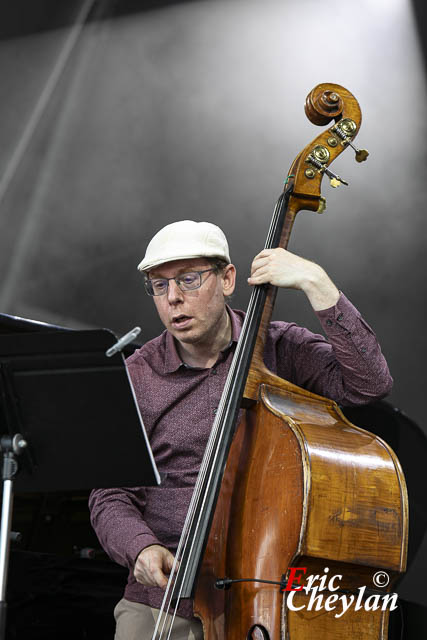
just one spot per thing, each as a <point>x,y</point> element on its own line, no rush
<point>185,281</point>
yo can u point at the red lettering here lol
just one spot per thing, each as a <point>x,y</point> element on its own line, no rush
<point>294,578</point>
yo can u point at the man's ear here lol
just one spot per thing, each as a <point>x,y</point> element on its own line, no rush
<point>228,279</point>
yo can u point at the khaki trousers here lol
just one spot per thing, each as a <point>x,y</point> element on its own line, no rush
<point>135,621</point>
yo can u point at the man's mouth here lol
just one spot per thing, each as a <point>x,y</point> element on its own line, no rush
<point>181,321</point>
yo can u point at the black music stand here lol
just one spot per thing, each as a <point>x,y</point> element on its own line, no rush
<point>69,413</point>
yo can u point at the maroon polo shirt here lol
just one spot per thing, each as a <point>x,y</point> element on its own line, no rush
<point>178,404</point>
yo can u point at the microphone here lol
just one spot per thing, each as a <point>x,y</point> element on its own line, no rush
<point>123,341</point>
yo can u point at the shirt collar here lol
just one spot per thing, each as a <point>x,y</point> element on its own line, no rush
<point>172,357</point>
<point>236,325</point>
<point>173,360</point>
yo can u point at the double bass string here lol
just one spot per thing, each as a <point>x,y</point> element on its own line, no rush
<point>209,459</point>
<point>193,536</point>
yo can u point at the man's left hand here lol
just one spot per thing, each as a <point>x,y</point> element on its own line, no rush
<point>282,268</point>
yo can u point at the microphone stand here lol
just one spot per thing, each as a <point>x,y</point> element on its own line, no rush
<point>42,372</point>
<point>10,446</point>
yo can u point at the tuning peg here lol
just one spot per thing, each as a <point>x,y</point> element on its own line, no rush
<point>335,180</point>
<point>361,154</point>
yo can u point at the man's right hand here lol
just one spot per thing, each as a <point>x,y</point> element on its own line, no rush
<point>153,566</point>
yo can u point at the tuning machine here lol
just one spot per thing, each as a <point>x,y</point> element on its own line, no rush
<point>345,129</point>
<point>318,158</point>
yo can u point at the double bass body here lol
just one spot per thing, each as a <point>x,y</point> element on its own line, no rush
<point>302,488</point>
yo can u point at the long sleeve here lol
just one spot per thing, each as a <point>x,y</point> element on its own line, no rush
<point>117,517</point>
<point>347,367</point>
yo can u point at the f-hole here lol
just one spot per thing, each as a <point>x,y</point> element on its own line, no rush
<point>258,633</point>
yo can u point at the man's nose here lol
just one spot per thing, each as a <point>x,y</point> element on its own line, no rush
<point>174,293</point>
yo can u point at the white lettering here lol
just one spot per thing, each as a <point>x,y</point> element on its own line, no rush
<point>322,585</point>
<point>390,597</point>
<point>360,598</point>
<point>331,583</point>
<point>310,581</point>
<point>345,606</point>
<point>290,602</point>
<point>375,605</point>
<point>315,599</point>
<point>329,602</point>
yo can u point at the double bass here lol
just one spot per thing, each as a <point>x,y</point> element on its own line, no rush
<point>295,498</point>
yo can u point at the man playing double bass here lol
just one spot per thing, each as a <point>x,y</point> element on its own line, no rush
<point>178,379</point>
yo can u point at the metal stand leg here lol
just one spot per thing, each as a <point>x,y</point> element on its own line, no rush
<point>6,520</point>
<point>9,446</point>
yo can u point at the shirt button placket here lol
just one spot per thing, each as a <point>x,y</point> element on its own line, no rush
<point>215,392</point>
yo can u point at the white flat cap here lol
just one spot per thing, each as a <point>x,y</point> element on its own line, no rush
<point>185,239</point>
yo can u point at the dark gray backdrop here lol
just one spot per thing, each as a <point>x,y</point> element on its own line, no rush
<point>158,111</point>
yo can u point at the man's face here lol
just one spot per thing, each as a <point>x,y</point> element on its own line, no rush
<point>193,316</point>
